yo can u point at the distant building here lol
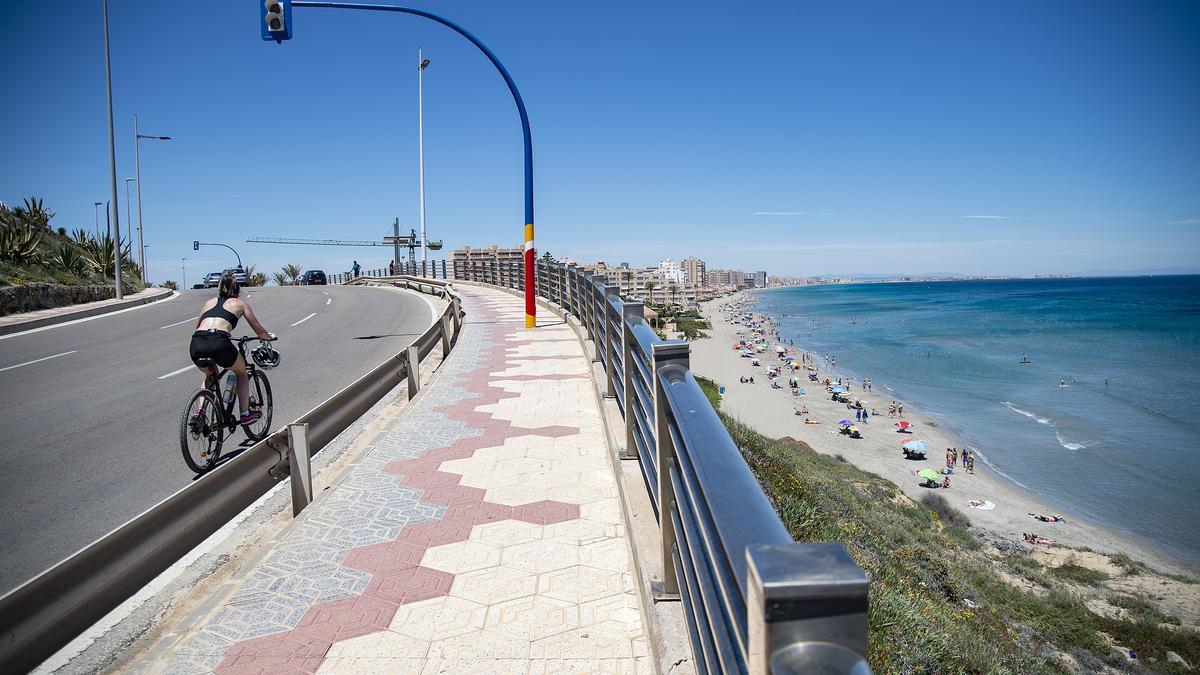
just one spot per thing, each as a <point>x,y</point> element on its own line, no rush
<point>501,264</point>
<point>670,271</point>
<point>693,271</point>
<point>726,278</point>
<point>759,279</point>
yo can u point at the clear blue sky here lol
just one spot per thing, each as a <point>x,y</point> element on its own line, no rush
<point>796,137</point>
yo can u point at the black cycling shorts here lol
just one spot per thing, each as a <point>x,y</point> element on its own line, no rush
<point>215,345</point>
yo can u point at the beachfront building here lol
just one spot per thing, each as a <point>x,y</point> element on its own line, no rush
<point>504,260</point>
<point>756,279</point>
<point>726,278</point>
<point>670,271</point>
<point>693,271</point>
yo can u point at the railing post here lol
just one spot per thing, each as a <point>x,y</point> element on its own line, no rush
<point>300,467</point>
<point>629,310</point>
<point>414,370</point>
<point>445,320</point>
<point>665,354</point>
<point>806,608</point>
<point>610,317</point>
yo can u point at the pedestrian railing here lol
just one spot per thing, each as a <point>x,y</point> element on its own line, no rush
<point>431,269</point>
<point>47,612</point>
<point>755,601</point>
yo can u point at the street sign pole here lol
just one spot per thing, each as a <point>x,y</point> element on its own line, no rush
<point>283,32</point>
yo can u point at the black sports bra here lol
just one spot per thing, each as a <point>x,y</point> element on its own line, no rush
<point>219,312</point>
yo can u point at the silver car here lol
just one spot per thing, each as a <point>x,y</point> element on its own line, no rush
<point>212,279</point>
<point>239,274</point>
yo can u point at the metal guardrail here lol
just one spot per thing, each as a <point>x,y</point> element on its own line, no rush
<point>755,600</point>
<point>44,614</point>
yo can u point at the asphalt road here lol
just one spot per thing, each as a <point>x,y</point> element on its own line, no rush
<point>89,412</point>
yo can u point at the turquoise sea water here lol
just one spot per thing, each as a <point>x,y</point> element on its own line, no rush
<point>1125,455</point>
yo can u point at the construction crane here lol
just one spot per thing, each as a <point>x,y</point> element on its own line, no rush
<point>397,241</point>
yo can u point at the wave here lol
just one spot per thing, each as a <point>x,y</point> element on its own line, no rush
<point>1069,445</point>
<point>1040,420</point>
<point>975,452</point>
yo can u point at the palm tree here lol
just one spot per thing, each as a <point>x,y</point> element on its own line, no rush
<point>280,278</point>
<point>291,273</point>
<point>254,278</point>
<point>650,291</point>
<point>673,289</point>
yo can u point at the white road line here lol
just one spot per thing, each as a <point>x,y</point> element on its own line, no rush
<point>304,319</point>
<point>329,301</point>
<point>44,358</point>
<point>174,294</point>
<point>173,373</point>
<point>324,292</point>
<point>170,325</point>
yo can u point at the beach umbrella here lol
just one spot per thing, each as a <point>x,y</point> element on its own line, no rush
<point>929,473</point>
<point>846,423</point>
<point>903,424</point>
<point>838,390</point>
<point>917,446</point>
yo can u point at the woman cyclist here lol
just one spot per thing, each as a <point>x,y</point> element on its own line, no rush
<point>212,340</point>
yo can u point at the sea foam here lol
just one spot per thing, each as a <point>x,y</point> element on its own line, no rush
<point>1040,420</point>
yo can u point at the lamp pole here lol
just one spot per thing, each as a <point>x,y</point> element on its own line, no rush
<point>183,268</point>
<point>137,168</point>
<point>98,220</point>
<point>112,163</point>
<point>422,64</point>
<point>140,261</point>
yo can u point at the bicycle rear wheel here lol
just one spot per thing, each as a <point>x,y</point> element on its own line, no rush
<point>260,398</point>
<point>200,430</point>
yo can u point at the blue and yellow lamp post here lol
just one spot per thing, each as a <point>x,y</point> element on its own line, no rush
<point>277,26</point>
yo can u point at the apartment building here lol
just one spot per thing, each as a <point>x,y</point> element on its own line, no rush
<point>693,272</point>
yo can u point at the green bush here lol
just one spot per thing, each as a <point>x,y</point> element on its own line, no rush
<point>1084,576</point>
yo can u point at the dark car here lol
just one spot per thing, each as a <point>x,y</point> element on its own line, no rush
<point>313,278</point>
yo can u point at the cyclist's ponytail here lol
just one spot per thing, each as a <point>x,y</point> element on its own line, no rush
<point>228,288</point>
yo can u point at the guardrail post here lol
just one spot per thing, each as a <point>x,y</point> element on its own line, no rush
<point>674,352</point>
<point>301,467</point>
<point>610,317</point>
<point>414,371</point>
<point>628,366</point>
<point>445,335</point>
<point>806,608</point>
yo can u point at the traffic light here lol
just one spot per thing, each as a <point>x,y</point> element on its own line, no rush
<point>195,246</point>
<point>277,20</point>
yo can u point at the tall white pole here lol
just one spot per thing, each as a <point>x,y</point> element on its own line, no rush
<point>137,164</point>
<point>421,147</point>
<point>127,212</point>
<point>112,164</point>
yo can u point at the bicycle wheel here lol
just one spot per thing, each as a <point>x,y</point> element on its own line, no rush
<point>200,431</point>
<point>260,398</point>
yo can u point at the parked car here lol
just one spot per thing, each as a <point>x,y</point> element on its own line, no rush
<point>212,279</point>
<point>239,274</point>
<point>313,278</point>
<point>195,286</point>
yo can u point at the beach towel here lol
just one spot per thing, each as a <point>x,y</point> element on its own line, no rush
<point>985,506</point>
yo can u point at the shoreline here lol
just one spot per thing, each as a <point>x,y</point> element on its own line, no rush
<point>772,413</point>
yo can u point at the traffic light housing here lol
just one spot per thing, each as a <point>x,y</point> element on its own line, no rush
<point>195,246</point>
<point>276,20</point>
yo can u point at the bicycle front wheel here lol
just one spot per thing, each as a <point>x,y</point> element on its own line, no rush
<point>260,399</point>
<point>200,431</point>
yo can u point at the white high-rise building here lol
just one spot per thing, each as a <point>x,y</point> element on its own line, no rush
<point>670,271</point>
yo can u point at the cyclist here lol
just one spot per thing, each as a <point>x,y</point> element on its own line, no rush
<point>212,341</point>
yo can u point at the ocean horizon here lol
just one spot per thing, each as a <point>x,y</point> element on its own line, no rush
<point>1093,425</point>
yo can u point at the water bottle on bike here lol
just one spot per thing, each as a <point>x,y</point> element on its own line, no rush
<point>230,387</point>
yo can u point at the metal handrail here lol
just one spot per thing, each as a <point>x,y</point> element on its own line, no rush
<point>45,613</point>
<point>755,600</point>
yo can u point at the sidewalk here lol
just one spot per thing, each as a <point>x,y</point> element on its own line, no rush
<point>14,323</point>
<point>482,533</point>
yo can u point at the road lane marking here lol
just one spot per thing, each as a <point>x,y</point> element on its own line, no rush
<point>44,358</point>
<point>304,319</point>
<point>174,294</point>
<point>329,301</point>
<point>173,373</point>
<point>324,292</point>
<point>170,325</point>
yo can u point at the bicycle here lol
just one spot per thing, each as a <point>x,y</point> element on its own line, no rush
<point>207,416</point>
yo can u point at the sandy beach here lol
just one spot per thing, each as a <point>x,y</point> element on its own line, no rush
<point>772,412</point>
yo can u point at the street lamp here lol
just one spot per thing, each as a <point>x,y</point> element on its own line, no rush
<point>422,64</point>
<point>112,163</point>
<point>98,220</point>
<point>183,267</point>
<point>137,164</point>
<point>127,212</point>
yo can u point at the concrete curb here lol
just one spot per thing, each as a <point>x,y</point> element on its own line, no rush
<point>42,321</point>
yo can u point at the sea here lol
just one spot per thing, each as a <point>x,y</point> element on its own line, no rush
<point>1102,423</point>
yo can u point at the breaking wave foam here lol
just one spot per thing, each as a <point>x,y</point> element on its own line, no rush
<point>1067,444</point>
<point>1040,420</point>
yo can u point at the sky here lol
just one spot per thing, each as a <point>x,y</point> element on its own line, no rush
<point>801,138</point>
